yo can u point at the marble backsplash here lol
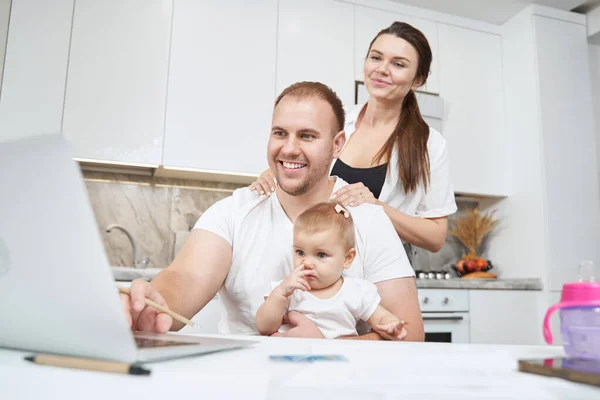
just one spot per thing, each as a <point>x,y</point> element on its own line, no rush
<point>160,212</point>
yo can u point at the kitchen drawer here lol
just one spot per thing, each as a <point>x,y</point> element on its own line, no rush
<point>440,300</point>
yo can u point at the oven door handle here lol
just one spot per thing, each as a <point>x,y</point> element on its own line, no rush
<point>448,318</point>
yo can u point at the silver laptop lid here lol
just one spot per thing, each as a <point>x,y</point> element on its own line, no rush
<point>57,293</point>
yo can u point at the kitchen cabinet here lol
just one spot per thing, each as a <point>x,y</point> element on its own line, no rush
<point>506,316</point>
<point>117,80</point>
<point>313,46</point>
<point>35,68</point>
<point>369,21</point>
<point>221,85</point>
<point>550,220</point>
<point>471,87</point>
<point>552,216</point>
<point>571,195</point>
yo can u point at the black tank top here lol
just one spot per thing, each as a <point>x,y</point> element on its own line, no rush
<point>372,177</point>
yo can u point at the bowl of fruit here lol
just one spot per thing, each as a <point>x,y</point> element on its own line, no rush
<point>473,229</point>
<point>472,266</point>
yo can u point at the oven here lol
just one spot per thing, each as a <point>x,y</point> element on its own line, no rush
<point>445,315</point>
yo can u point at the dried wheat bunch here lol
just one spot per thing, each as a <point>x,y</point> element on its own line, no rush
<point>472,228</point>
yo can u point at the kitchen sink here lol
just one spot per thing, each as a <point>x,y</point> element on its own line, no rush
<point>130,273</point>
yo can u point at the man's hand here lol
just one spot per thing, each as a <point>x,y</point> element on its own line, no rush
<point>141,317</point>
<point>394,330</point>
<point>302,327</point>
<point>296,280</point>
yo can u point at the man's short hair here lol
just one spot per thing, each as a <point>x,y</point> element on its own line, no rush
<point>322,217</point>
<point>316,89</point>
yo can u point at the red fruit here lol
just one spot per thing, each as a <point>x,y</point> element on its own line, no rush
<point>470,265</point>
<point>481,263</point>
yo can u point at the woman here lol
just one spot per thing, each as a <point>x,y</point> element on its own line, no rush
<point>392,157</point>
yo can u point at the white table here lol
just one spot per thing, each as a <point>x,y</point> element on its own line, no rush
<point>374,370</point>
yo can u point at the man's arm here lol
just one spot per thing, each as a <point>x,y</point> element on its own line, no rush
<point>399,296</point>
<point>195,275</point>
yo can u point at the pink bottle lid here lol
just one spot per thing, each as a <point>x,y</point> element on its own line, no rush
<point>580,293</point>
<point>575,294</point>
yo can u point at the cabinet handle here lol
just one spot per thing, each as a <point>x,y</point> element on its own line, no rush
<point>446,300</point>
<point>426,300</point>
<point>449,318</point>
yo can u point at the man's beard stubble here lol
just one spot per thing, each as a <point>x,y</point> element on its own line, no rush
<point>309,180</point>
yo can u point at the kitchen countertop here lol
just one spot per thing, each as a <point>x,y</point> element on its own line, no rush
<point>481,284</point>
<point>373,370</point>
<point>129,274</point>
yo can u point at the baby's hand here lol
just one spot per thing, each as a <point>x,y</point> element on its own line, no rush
<point>392,330</point>
<point>295,281</point>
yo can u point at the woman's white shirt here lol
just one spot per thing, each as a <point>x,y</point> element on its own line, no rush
<point>438,200</point>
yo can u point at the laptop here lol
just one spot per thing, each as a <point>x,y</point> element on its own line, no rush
<point>57,290</point>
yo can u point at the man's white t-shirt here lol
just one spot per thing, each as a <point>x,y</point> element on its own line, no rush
<point>356,300</point>
<point>261,237</point>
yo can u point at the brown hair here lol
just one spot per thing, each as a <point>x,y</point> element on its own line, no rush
<point>322,217</point>
<point>316,89</point>
<point>411,132</point>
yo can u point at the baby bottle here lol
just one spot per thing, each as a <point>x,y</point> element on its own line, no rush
<point>579,311</point>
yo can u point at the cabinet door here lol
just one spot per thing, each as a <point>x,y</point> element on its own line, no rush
<point>474,125</point>
<point>221,85</point>
<point>368,22</point>
<point>506,316</point>
<point>117,82</point>
<point>35,68</point>
<point>316,46</point>
<point>567,126</point>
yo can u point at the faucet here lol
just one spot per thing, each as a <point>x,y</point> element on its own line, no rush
<point>137,263</point>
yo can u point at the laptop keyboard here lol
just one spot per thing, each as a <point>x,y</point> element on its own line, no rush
<point>144,343</point>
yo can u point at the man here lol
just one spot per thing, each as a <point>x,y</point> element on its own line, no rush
<point>243,243</point>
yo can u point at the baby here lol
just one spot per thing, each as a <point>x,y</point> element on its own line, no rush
<point>323,248</point>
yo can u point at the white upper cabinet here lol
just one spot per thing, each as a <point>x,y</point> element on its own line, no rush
<point>316,46</point>
<point>474,121</point>
<point>221,85</point>
<point>35,68</point>
<point>368,22</point>
<point>117,80</point>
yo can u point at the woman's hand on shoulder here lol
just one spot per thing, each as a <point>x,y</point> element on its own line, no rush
<point>265,183</point>
<point>354,195</point>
